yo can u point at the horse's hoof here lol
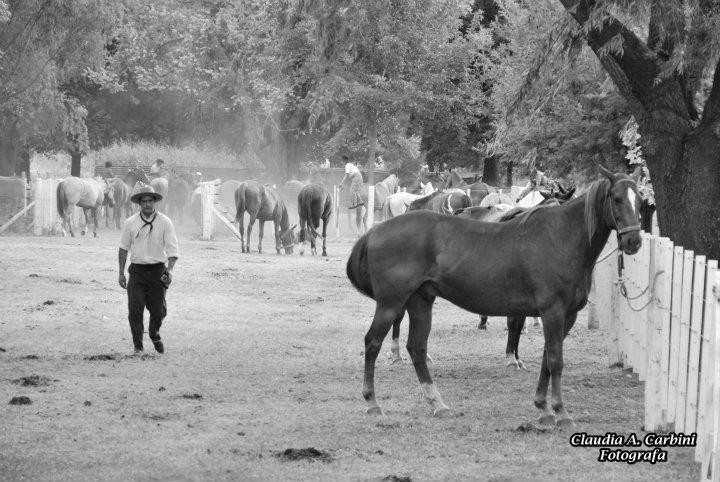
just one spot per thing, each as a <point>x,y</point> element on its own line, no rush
<point>565,422</point>
<point>443,413</point>
<point>548,419</point>
<point>521,365</point>
<point>325,254</point>
<point>82,232</point>
<point>95,235</point>
<point>511,363</point>
<point>302,252</point>
<point>374,411</point>
<point>482,327</point>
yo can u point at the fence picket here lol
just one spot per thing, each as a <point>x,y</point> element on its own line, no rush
<point>707,354</point>
<point>684,347</point>
<point>696,313</point>
<point>675,309</point>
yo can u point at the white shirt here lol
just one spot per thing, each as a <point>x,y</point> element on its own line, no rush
<point>351,168</point>
<point>149,246</point>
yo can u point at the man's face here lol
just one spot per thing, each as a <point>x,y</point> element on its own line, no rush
<point>147,205</point>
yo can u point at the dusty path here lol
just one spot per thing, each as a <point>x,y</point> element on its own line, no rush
<point>263,354</point>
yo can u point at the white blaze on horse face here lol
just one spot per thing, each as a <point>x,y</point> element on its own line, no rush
<point>632,197</point>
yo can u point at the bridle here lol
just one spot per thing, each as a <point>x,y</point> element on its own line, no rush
<point>623,229</point>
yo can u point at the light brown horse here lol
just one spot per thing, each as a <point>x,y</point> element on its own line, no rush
<point>120,197</point>
<point>87,193</point>
<point>263,203</point>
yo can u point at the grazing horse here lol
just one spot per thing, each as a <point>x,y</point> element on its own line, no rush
<point>539,264</point>
<point>87,193</point>
<point>263,203</point>
<point>396,204</point>
<point>314,204</point>
<point>178,196</point>
<point>382,190</point>
<point>446,202</point>
<point>121,196</point>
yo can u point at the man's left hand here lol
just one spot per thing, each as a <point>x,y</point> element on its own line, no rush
<point>166,279</point>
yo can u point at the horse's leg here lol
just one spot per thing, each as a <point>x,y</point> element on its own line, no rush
<point>303,236</point>
<point>419,308</point>
<point>95,221</point>
<point>552,364</point>
<point>325,223</point>
<point>261,232</point>
<point>278,244</point>
<point>251,222</point>
<point>241,226</point>
<point>515,326</point>
<point>483,322</point>
<point>395,343</point>
<point>382,321</point>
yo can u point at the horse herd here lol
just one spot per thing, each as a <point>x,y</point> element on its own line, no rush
<point>470,245</point>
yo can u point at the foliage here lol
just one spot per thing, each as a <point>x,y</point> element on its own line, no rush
<point>43,43</point>
<point>551,94</point>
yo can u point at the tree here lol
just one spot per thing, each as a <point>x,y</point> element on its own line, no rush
<point>381,64</point>
<point>667,71</point>
<point>43,43</point>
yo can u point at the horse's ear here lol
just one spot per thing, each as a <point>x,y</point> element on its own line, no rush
<point>637,174</point>
<point>561,189</point>
<point>570,192</point>
<point>606,172</point>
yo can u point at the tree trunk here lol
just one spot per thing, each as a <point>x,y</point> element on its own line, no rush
<point>681,153</point>
<point>490,171</point>
<point>509,174</point>
<point>372,147</point>
<point>8,151</point>
<point>75,158</point>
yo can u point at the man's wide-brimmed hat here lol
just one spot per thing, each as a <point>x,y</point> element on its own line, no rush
<point>144,190</point>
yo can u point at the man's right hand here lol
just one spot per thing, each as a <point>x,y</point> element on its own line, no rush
<point>122,281</point>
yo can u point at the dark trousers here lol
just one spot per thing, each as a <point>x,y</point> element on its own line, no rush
<point>145,290</point>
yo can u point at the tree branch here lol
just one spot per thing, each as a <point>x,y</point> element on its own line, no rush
<point>637,67</point>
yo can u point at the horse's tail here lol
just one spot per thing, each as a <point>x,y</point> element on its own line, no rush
<point>357,266</point>
<point>61,198</point>
<point>240,202</point>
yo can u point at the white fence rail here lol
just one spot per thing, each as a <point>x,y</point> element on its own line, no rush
<point>660,318</point>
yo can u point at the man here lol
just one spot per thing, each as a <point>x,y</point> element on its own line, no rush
<point>157,168</point>
<point>352,174</point>
<point>107,171</point>
<point>150,237</point>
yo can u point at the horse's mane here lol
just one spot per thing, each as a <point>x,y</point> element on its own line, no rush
<point>597,189</point>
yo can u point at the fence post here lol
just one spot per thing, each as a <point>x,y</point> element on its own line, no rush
<point>708,352</point>
<point>207,201</point>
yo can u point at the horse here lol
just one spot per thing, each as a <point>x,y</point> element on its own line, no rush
<point>263,203</point>
<point>538,181</point>
<point>478,190</point>
<point>131,178</point>
<point>445,202</point>
<point>538,265</point>
<point>161,185</point>
<point>121,196</point>
<point>314,203</point>
<point>382,190</point>
<point>178,195</point>
<point>396,204</point>
<point>87,193</point>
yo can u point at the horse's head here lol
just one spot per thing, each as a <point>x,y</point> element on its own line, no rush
<point>108,193</point>
<point>622,209</point>
<point>288,239</point>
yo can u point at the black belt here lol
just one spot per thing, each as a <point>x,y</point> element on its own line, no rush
<point>147,266</point>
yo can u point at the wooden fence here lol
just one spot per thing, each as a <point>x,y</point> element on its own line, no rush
<point>660,314</point>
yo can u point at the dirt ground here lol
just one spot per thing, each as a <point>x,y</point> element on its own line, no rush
<point>264,353</point>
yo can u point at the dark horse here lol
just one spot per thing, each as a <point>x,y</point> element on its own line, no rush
<point>446,202</point>
<point>535,265</point>
<point>132,177</point>
<point>178,196</point>
<point>314,204</point>
<point>478,190</point>
<point>263,203</point>
<point>121,196</point>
